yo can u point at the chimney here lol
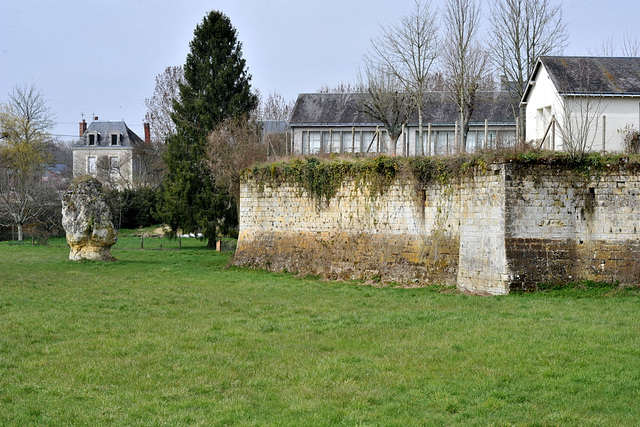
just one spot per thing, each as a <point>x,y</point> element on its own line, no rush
<point>95,118</point>
<point>147,134</point>
<point>83,127</point>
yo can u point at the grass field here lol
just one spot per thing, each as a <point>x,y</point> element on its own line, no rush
<point>175,338</point>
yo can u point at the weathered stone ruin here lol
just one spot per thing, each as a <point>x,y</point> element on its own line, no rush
<point>86,218</point>
<point>506,226</point>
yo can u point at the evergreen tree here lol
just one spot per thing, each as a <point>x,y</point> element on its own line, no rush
<point>216,86</point>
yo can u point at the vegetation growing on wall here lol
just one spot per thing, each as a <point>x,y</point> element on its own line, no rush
<point>323,177</point>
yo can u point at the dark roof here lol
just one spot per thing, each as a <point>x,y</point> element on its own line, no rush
<point>344,109</point>
<point>127,137</point>
<point>582,75</point>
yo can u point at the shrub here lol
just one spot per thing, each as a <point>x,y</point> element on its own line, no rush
<point>631,139</point>
<point>133,208</point>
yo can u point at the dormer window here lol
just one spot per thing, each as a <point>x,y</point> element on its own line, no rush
<point>115,138</point>
<point>92,139</point>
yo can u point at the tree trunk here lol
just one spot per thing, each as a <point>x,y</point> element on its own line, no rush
<point>393,144</point>
<point>211,235</point>
<point>19,232</point>
<point>419,151</point>
<point>523,130</point>
<point>463,142</point>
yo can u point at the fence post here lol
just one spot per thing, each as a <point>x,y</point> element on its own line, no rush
<point>486,133</point>
<point>458,145</point>
<point>604,131</point>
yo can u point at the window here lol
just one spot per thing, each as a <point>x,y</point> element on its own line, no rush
<point>491,139</point>
<point>335,141</point>
<point>314,142</point>
<point>368,141</point>
<point>114,165</point>
<point>480,140</point>
<point>115,139</point>
<point>326,143</point>
<point>471,141</point>
<point>92,139</point>
<point>357,141</point>
<point>91,165</point>
<point>347,139</point>
<point>445,142</point>
<point>304,143</point>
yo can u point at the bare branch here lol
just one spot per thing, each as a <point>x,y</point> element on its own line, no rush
<point>384,100</point>
<point>630,45</point>
<point>407,51</point>
<point>160,105</point>
<point>25,150</point>
<point>524,30</point>
<point>465,62</point>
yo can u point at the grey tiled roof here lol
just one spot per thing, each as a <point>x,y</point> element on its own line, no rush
<point>343,109</point>
<point>127,137</point>
<point>593,75</point>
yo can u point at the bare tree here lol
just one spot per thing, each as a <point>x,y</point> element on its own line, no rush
<point>579,116</point>
<point>630,46</point>
<point>233,146</point>
<point>160,105</point>
<point>580,122</point>
<point>273,108</point>
<point>607,48</point>
<point>150,165</point>
<point>272,114</point>
<point>114,172</point>
<point>408,50</point>
<point>339,88</point>
<point>384,101</point>
<point>25,150</point>
<point>524,30</point>
<point>464,60</point>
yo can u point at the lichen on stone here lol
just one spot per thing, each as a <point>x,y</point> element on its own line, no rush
<point>86,218</point>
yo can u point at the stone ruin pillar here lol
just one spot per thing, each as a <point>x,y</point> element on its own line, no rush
<point>86,219</point>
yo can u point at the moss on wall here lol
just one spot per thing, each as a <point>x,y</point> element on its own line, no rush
<point>322,177</point>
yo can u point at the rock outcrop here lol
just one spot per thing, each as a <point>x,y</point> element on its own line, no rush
<point>86,219</point>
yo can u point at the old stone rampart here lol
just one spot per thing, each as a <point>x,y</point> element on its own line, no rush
<point>503,226</point>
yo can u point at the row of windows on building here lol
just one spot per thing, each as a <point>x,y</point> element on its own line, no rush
<point>114,138</point>
<point>92,165</point>
<point>356,141</point>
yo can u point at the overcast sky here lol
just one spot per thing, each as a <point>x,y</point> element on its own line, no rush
<point>101,57</point>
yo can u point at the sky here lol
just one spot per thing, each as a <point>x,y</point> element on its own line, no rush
<point>100,58</point>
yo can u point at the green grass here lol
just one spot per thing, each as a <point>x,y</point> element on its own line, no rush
<point>174,338</point>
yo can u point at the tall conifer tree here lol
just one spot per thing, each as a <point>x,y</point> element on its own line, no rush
<point>217,86</point>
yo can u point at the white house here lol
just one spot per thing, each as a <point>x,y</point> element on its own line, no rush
<point>335,123</point>
<point>106,150</point>
<point>582,102</point>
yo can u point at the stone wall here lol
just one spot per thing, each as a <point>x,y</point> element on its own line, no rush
<point>402,235</point>
<point>561,226</point>
<point>504,227</point>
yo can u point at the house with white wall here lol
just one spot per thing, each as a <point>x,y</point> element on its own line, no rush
<point>105,150</point>
<point>336,123</point>
<point>582,102</point>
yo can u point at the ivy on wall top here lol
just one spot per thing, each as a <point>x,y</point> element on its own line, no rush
<point>323,177</point>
